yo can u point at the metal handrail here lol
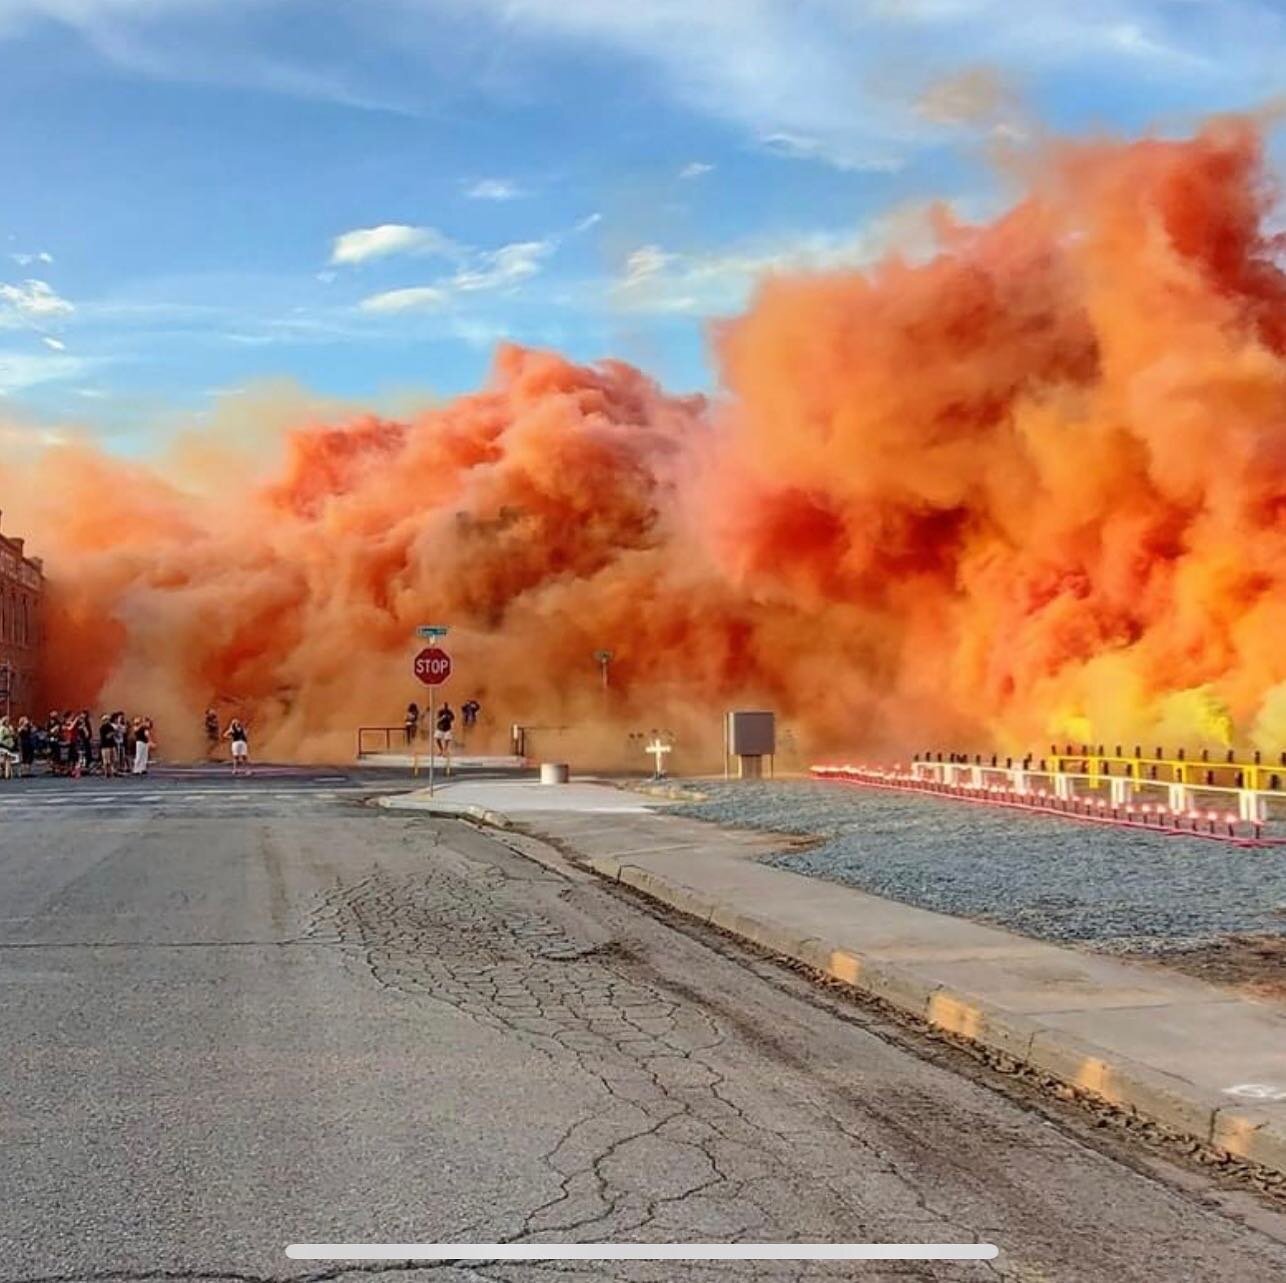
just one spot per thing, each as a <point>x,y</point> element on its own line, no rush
<point>386,731</point>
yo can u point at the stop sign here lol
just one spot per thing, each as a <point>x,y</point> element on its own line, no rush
<point>433,666</point>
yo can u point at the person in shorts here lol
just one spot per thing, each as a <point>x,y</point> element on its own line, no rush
<point>107,745</point>
<point>240,743</point>
<point>442,730</point>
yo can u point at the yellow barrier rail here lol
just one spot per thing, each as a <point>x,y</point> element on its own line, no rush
<point>1203,768</point>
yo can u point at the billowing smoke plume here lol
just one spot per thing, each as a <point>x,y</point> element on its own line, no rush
<point>1033,487</point>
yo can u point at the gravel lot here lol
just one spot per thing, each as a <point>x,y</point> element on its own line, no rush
<point>1116,890</point>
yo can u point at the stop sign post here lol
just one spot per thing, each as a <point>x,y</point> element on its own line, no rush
<point>432,666</point>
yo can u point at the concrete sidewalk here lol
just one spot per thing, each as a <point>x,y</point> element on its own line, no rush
<point>459,761</point>
<point>1197,1059</point>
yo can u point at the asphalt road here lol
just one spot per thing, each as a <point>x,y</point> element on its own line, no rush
<point>236,1017</point>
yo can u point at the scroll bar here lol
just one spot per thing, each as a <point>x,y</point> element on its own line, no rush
<point>642,1251</point>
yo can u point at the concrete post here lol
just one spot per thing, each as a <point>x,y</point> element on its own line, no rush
<point>1251,806</point>
<point>1180,797</point>
<point>1064,787</point>
<point>1122,790</point>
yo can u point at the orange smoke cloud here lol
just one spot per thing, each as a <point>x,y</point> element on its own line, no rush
<point>1035,486</point>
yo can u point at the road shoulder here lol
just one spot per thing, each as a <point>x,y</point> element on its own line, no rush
<point>1172,1049</point>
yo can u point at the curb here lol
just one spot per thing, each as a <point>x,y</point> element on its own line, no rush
<point>1238,1131</point>
<point>448,810</point>
<point>671,792</point>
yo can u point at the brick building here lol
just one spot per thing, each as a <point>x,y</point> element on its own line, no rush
<point>21,586</point>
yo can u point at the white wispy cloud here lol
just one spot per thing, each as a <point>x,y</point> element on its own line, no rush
<point>494,189</point>
<point>694,169</point>
<point>412,298</point>
<point>25,260</point>
<point>207,42</point>
<point>22,370</point>
<point>656,280</point>
<point>836,79</point>
<point>498,270</point>
<point>32,302</point>
<point>54,345</point>
<point>833,81</point>
<point>365,243</point>
<point>503,267</point>
<point>804,147</point>
<point>642,264</point>
<point>590,220</point>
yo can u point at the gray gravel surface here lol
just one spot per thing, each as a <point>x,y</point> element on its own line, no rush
<point>1114,889</point>
<point>233,1021</point>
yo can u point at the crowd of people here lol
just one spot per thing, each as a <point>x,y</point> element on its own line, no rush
<point>74,744</point>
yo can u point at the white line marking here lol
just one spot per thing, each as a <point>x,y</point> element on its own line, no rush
<point>642,1251</point>
<point>1257,1091</point>
<point>232,794</point>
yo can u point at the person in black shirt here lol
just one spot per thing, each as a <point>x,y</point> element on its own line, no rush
<point>54,733</point>
<point>107,745</point>
<point>236,732</point>
<point>142,735</point>
<point>26,744</point>
<point>77,739</point>
<point>442,731</point>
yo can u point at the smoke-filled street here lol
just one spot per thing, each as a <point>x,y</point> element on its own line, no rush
<point>235,1020</point>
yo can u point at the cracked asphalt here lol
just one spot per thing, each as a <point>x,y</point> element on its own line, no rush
<point>227,1028</point>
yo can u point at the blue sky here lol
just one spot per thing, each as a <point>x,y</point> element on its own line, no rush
<point>363,197</point>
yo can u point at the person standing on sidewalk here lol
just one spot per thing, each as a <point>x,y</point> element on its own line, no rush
<point>442,733</point>
<point>124,747</point>
<point>54,739</point>
<point>72,745</point>
<point>26,745</point>
<point>8,748</point>
<point>107,745</point>
<point>411,722</point>
<point>469,711</point>
<point>240,742</point>
<point>142,733</point>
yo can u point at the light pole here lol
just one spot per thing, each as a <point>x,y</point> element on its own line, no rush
<point>604,658</point>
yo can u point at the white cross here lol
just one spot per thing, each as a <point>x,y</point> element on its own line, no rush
<point>658,750</point>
